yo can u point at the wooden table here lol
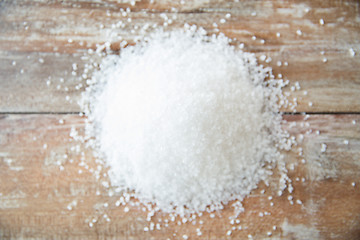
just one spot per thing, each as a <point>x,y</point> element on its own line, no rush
<point>46,187</point>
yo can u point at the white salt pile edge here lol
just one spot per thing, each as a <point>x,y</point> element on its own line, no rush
<point>185,121</point>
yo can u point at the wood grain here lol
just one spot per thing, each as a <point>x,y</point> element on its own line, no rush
<point>47,186</point>
<point>35,192</point>
<point>27,29</point>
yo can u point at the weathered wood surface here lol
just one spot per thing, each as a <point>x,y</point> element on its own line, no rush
<point>39,164</point>
<point>52,31</point>
<point>35,193</point>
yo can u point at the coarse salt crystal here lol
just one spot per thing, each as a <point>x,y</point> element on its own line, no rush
<point>352,52</point>
<point>323,147</point>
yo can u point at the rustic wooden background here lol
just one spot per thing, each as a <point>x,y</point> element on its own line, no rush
<point>47,189</point>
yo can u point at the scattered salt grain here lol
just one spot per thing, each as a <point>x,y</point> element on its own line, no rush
<point>262,58</point>
<point>324,60</point>
<point>353,184</point>
<point>185,237</point>
<point>321,21</point>
<point>278,34</point>
<point>299,32</point>
<point>229,233</point>
<point>346,142</point>
<point>323,147</point>
<point>352,52</point>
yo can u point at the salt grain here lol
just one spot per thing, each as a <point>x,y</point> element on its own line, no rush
<point>323,147</point>
<point>352,52</point>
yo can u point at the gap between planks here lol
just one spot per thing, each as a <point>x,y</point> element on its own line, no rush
<point>77,113</point>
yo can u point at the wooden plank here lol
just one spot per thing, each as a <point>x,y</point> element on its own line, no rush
<point>29,24</point>
<point>27,29</point>
<point>36,194</point>
<point>39,82</point>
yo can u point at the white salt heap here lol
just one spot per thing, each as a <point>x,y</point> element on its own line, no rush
<point>185,121</point>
